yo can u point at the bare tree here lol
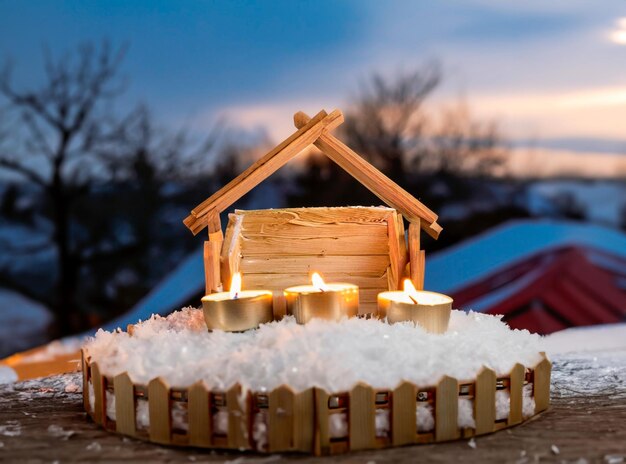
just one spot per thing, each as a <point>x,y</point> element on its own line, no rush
<point>57,134</point>
<point>389,124</point>
<point>102,178</point>
<point>464,146</point>
<point>386,121</point>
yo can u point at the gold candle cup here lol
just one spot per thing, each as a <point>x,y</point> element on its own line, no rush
<point>305,302</point>
<point>432,311</point>
<point>250,309</point>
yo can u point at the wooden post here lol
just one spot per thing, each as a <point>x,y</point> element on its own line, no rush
<point>541,384</point>
<point>516,393</point>
<point>403,414</point>
<point>124,404</point>
<point>99,413</point>
<point>397,260</point>
<point>212,251</point>
<point>279,305</point>
<point>280,419</point>
<point>404,253</point>
<point>485,401</point>
<point>447,409</point>
<point>362,418</point>
<point>159,408</point>
<point>304,421</point>
<point>85,370</point>
<point>322,432</point>
<point>238,433</point>
<point>199,410</point>
<point>417,257</point>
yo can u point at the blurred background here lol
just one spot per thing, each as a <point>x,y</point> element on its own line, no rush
<point>118,117</point>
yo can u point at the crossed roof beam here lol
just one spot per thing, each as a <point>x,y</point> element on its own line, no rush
<point>315,131</point>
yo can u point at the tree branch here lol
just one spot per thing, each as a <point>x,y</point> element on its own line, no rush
<point>18,168</point>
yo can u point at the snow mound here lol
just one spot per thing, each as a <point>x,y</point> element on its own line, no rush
<point>330,355</point>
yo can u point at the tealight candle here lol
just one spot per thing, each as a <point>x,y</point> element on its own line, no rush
<point>429,309</point>
<point>327,301</point>
<point>237,310</point>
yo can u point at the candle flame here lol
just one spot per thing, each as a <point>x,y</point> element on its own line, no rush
<point>410,290</point>
<point>235,285</point>
<point>318,282</point>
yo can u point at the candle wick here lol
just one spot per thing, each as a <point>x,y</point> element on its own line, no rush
<point>236,296</point>
<point>413,299</point>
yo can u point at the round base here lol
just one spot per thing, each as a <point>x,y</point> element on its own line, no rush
<point>282,420</point>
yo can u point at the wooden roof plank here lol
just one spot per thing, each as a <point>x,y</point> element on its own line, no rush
<point>268,164</point>
<point>374,180</point>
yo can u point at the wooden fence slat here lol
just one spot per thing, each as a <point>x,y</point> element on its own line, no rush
<point>280,419</point>
<point>403,414</point>
<point>159,408</point>
<point>124,404</point>
<point>85,368</point>
<point>304,421</point>
<point>322,432</point>
<point>516,393</point>
<point>99,413</point>
<point>485,401</point>
<point>199,413</point>
<point>447,409</point>
<point>238,434</point>
<point>362,417</point>
<point>541,385</point>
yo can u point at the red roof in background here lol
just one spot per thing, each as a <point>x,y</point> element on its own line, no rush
<point>553,290</point>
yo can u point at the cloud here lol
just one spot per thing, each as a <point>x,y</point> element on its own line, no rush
<point>591,112</point>
<point>544,162</point>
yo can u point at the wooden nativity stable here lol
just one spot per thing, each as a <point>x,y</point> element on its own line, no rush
<point>278,248</point>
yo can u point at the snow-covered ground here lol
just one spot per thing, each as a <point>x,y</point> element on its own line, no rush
<point>23,322</point>
<point>600,201</point>
<point>473,259</point>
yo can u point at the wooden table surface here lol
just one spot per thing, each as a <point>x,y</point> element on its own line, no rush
<point>43,421</point>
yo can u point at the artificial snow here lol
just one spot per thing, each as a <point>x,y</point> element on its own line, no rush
<point>259,430</point>
<point>142,414</point>
<point>220,422</point>
<point>466,413</point>
<point>382,422</point>
<point>528,401</point>
<point>338,425</point>
<point>425,418</point>
<point>503,404</point>
<point>334,356</point>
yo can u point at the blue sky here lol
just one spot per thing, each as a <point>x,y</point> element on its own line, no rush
<point>551,73</point>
